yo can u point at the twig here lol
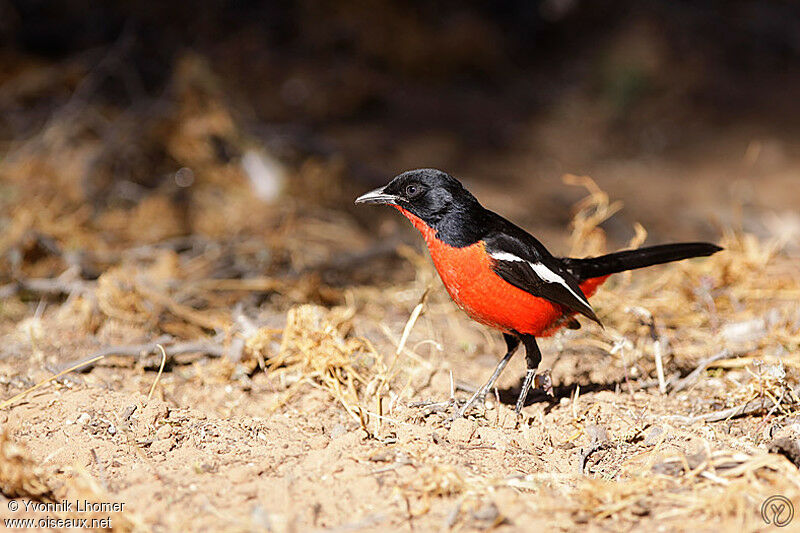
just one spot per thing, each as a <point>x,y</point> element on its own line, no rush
<point>214,350</point>
<point>412,319</point>
<point>749,408</point>
<point>657,353</point>
<point>646,318</point>
<point>596,445</point>
<point>160,370</point>
<point>695,374</point>
<point>103,478</point>
<point>138,350</point>
<point>391,467</point>
<point>465,387</point>
<point>48,380</point>
<point>431,406</point>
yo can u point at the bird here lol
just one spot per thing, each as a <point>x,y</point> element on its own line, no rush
<point>500,274</point>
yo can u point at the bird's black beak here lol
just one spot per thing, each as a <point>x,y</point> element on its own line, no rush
<point>378,196</point>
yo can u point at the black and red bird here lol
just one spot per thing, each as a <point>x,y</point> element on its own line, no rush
<point>500,274</point>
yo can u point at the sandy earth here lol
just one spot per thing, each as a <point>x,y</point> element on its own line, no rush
<point>296,413</point>
<point>210,449</point>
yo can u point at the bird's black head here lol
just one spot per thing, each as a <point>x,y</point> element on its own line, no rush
<point>428,193</point>
<point>435,197</point>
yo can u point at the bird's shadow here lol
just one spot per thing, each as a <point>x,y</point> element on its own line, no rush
<point>509,395</point>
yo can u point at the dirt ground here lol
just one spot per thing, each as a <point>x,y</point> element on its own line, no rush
<point>300,337</point>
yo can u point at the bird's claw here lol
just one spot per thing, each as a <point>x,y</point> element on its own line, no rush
<point>541,382</point>
<point>431,406</point>
<point>544,382</point>
<point>477,399</point>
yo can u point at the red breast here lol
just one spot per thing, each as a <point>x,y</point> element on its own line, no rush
<point>469,279</point>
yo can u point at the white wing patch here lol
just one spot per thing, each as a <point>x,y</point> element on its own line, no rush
<point>548,275</point>
<point>540,270</point>
<point>505,256</point>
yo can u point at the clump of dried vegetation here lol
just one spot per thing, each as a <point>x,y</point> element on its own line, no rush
<point>20,477</point>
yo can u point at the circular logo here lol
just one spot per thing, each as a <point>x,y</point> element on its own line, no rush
<point>777,510</point>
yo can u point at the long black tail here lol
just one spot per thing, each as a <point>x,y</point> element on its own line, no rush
<point>593,267</point>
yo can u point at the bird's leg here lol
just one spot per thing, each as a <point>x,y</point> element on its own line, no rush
<point>512,343</point>
<point>532,358</point>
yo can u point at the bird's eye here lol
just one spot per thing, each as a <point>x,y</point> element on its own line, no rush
<point>412,190</point>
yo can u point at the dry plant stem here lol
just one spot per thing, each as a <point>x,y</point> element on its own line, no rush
<point>595,446</point>
<point>662,383</point>
<point>160,370</point>
<point>749,408</point>
<point>695,374</point>
<point>412,319</point>
<point>103,477</point>
<point>676,384</point>
<point>134,351</point>
<point>48,380</point>
<point>466,387</point>
<point>138,350</point>
<point>647,319</point>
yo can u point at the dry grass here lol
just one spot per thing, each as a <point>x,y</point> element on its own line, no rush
<point>248,278</point>
<point>20,476</point>
<point>317,347</point>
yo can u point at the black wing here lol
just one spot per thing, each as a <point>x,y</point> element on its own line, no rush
<point>530,267</point>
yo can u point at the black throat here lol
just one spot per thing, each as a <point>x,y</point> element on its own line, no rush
<point>463,224</point>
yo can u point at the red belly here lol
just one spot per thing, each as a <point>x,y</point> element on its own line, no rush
<point>487,298</point>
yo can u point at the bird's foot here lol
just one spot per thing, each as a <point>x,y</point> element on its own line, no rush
<point>541,382</point>
<point>430,406</point>
<point>477,399</point>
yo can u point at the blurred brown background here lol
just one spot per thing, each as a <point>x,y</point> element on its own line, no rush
<point>685,110</point>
